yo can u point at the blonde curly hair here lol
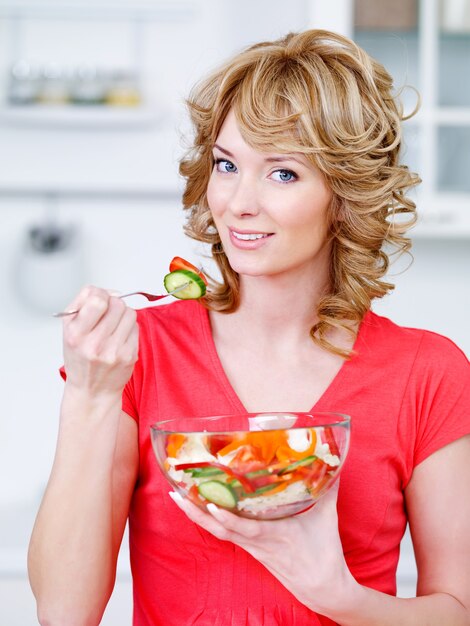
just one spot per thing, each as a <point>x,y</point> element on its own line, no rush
<point>319,94</point>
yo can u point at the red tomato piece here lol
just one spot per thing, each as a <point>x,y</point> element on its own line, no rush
<point>217,442</point>
<point>178,263</point>
<point>331,441</point>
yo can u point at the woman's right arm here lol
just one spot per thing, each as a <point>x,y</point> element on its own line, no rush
<point>78,530</point>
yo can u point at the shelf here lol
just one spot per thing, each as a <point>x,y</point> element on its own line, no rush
<point>81,192</point>
<point>69,117</point>
<point>111,10</point>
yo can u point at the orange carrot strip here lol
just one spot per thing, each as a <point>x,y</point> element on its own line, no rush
<point>174,443</point>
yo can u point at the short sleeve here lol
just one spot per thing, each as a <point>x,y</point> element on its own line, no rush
<point>442,387</point>
<point>128,399</point>
<point>132,394</point>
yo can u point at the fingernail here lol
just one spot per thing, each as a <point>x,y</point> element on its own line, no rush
<point>175,496</point>
<point>214,510</point>
<point>114,292</point>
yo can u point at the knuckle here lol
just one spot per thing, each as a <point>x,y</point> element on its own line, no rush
<point>252,532</point>
<point>109,355</point>
<point>71,340</point>
<point>117,303</point>
<point>73,337</point>
<point>86,291</point>
<point>92,354</point>
<point>97,302</point>
<point>223,534</point>
<point>90,291</point>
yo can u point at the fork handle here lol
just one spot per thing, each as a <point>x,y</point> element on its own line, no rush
<point>149,297</point>
<point>124,295</point>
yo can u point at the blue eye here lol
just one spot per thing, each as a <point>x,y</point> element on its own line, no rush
<point>284,176</point>
<point>227,167</point>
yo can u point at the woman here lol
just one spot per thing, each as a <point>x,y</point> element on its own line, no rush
<point>294,179</point>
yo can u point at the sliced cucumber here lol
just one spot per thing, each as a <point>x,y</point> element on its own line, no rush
<point>195,289</point>
<point>302,463</point>
<point>203,472</point>
<point>256,473</point>
<point>219,493</point>
<point>264,489</point>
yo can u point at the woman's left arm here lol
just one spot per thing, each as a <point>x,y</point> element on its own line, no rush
<point>438,505</point>
<point>304,552</point>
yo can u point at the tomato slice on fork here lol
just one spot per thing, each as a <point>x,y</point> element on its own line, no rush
<point>178,263</point>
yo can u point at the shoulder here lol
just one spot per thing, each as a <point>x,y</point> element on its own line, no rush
<point>167,316</point>
<point>429,376</point>
<point>169,329</point>
<point>424,346</point>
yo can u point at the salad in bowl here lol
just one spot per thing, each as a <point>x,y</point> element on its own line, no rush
<point>257,465</point>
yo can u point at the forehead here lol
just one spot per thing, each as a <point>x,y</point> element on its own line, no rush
<point>231,141</point>
<point>230,126</point>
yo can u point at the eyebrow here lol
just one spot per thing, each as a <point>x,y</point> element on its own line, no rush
<point>272,159</point>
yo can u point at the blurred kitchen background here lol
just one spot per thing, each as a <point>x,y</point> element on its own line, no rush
<point>92,123</point>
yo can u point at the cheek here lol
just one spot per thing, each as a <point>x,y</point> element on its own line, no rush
<point>214,199</point>
<point>307,217</point>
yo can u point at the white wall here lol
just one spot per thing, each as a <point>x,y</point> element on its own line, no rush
<point>434,291</point>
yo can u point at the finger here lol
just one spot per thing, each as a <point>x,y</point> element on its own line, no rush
<point>250,529</point>
<point>330,498</point>
<point>328,501</point>
<point>105,325</point>
<point>126,326</point>
<point>111,321</point>
<point>79,299</point>
<point>85,293</point>
<point>123,343</point>
<point>231,526</point>
<point>92,304</point>
<point>197,515</point>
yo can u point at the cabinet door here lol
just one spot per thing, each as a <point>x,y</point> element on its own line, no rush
<point>453,97</point>
<point>426,46</point>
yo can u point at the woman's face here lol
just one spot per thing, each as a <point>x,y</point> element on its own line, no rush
<point>270,209</point>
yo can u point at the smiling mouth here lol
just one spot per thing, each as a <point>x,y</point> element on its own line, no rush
<point>249,236</point>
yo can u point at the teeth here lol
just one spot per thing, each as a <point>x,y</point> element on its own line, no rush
<point>248,236</point>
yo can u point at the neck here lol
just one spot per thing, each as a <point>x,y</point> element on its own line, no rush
<point>281,303</point>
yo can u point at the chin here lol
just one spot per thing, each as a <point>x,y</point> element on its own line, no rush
<point>246,267</point>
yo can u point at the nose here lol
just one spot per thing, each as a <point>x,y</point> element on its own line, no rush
<point>245,198</point>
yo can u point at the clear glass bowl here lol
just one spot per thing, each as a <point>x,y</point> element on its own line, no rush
<point>257,465</point>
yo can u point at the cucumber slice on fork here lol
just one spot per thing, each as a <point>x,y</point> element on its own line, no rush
<point>195,289</point>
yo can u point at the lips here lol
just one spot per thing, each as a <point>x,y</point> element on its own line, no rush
<point>248,236</point>
<point>248,239</point>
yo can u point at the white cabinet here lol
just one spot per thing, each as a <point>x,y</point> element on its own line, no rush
<point>88,105</point>
<point>432,55</point>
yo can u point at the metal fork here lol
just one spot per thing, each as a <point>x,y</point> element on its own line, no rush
<point>150,297</point>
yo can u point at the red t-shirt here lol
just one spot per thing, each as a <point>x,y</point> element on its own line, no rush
<point>407,392</point>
